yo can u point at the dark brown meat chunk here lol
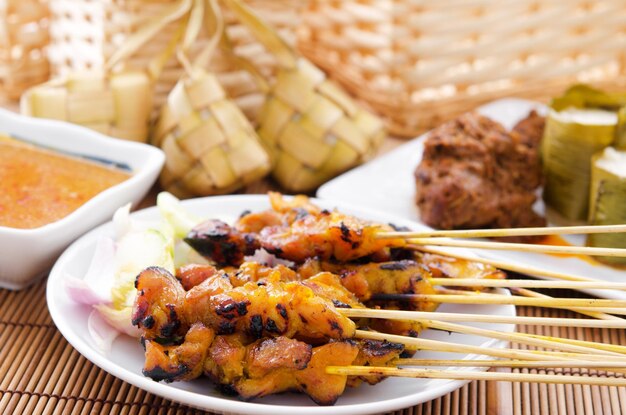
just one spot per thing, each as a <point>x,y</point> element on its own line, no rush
<point>530,129</point>
<point>475,174</point>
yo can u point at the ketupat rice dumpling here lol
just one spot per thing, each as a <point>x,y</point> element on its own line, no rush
<point>608,200</point>
<point>581,122</point>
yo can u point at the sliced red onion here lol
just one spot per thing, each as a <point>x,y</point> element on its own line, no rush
<point>263,257</point>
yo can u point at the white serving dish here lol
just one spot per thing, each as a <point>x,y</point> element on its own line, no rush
<point>26,254</point>
<point>387,184</point>
<point>125,359</point>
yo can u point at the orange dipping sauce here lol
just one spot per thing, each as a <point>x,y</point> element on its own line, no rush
<point>557,240</point>
<point>38,186</point>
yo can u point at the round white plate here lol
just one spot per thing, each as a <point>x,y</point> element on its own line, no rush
<point>387,183</point>
<point>125,360</point>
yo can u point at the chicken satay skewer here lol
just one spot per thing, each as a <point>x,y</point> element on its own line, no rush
<point>508,266</point>
<point>504,232</point>
<point>481,318</point>
<point>473,375</point>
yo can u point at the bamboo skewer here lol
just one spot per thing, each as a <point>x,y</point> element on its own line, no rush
<point>519,338</point>
<point>604,305</point>
<point>471,375</point>
<point>508,283</point>
<point>531,364</point>
<point>487,233</point>
<point>590,311</point>
<point>604,346</point>
<point>522,269</point>
<point>481,318</point>
<point>543,249</point>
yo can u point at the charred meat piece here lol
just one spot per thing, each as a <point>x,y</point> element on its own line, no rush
<point>475,174</point>
<point>254,369</point>
<point>294,231</point>
<point>383,279</point>
<point>163,309</point>
<point>183,362</point>
<point>329,235</point>
<point>313,380</point>
<point>221,243</point>
<point>194,274</point>
<point>374,353</point>
<point>276,309</point>
<point>448,267</point>
<point>395,277</point>
<point>157,308</point>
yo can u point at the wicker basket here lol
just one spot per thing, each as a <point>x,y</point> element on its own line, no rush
<point>23,38</point>
<point>86,32</point>
<point>417,62</point>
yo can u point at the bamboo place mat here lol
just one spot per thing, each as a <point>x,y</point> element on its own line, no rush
<point>40,373</point>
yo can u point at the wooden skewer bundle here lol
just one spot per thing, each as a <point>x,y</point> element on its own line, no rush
<point>563,353</point>
<point>441,238</point>
<point>567,353</point>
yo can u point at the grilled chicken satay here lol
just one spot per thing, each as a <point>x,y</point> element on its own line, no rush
<point>266,366</point>
<point>375,279</point>
<point>293,230</point>
<point>448,267</point>
<point>274,308</point>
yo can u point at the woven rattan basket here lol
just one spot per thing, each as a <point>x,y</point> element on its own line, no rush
<point>417,62</point>
<point>86,32</point>
<point>23,38</point>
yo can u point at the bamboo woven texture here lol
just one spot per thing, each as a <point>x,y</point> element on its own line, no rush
<point>313,130</point>
<point>211,146</point>
<point>86,32</point>
<point>118,104</point>
<point>23,39</point>
<point>40,373</point>
<point>416,61</point>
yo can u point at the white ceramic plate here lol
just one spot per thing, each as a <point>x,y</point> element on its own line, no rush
<point>126,358</point>
<point>387,184</point>
<point>26,254</point>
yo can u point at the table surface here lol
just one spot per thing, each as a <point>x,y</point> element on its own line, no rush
<point>40,373</point>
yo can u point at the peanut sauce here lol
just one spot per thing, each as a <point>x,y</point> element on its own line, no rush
<point>38,187</point>
<point>559,241</point>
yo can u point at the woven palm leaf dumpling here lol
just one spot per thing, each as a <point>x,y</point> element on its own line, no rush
<point>211,147</point>
<point>117,104</point>
<point>311,128</point>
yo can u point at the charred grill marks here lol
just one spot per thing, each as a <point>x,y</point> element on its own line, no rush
<point>158,373</point>
<point>398,265</point>
<point>256,326</point>
<point>282,310</point>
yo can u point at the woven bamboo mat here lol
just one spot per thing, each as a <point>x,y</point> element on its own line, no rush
<point>40,373</point>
